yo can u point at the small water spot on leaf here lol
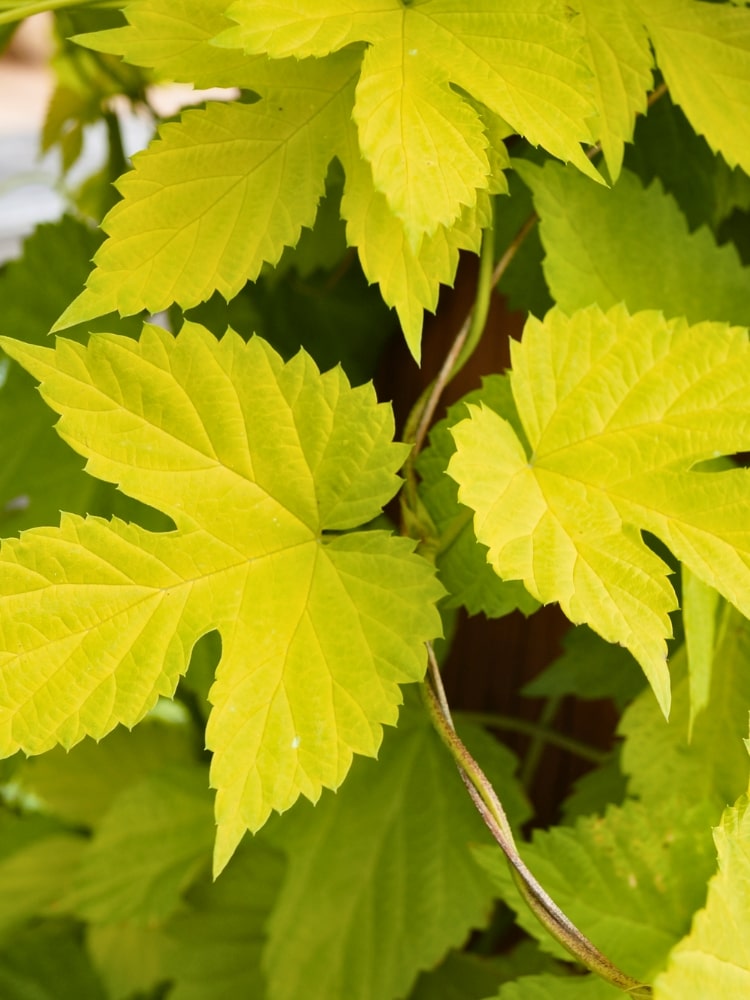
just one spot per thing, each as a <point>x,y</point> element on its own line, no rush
<point>296,742</point>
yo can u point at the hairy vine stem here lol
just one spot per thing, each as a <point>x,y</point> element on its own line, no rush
<point>491,810</point>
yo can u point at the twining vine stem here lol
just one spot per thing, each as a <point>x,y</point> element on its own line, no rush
<point>491,810</point>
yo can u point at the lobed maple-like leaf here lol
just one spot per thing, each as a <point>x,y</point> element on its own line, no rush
<point>714,959</point>
<point>221,193</point>
<point>254,460</point>
<point>618,411</point>
<point>522,63</point>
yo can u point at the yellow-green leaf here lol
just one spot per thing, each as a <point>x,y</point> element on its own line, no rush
<point>618,410</point>
<point>256,462</point>
<point>220,193</point>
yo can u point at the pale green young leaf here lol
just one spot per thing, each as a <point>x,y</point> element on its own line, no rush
<point>618,52</point>
<point>461,560</point>
<point>147,848</point>
<point>317,630</point>
<point>617,410</point>
<point>381,881</point>
<point>409,279</point>
<point>714,959</point>
<point>214,947</point>
<point>629,880</point>
<point>79,785</point>
<point>220,193</point>
<point>523,65</point>
<point>712,766</point>
<point>606,246</point>
<point>703,50</point>
<point>700,607</point>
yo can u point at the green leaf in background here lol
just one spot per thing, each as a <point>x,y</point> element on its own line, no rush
<point>318,630</point>
<point>460,976</point>
<point>469,976</point>
<point>629,880</point>
<point>665,146</point>
<point>381,881</point>
<point>617,410</point>
<point>153,840</point>
<point>588,668</point>
<point>606,246</point>
<point>36,865</point>
<point>38,961</point>
<point>549,987</point>
<point>461,561</point>
<point>214,948</point>
<point>524,66</point>
<point>714,959</point>
<point>523,282</point>
<point>220,193</point>
<point>592,793</point>
<point>79,785</point>
<point>127,956</point>
<point>712,766</point>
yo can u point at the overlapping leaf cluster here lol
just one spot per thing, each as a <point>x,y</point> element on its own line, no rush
<point>415,101</point>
